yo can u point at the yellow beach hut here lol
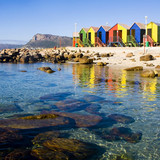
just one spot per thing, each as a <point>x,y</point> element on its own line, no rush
<point>153,30</point>
<point>92,34</point>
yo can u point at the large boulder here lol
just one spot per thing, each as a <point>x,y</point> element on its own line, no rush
<point>148,73</point>
<point>137,68</point>
<point>148,57</point>
<point>85,60</point>
<point>129,55</point>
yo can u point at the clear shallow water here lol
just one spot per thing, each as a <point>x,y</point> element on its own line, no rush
<point>125,92</point>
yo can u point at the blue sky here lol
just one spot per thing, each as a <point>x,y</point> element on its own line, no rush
<point>21,19</point>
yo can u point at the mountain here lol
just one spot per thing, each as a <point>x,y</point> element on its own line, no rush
<point>48,41</point>
<point>10,44</point>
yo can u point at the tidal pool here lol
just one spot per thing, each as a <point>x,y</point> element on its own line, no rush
<point>108,113</point>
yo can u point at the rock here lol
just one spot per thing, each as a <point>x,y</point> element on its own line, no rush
<point>146,58</point>
<point>100,64</point>
<point>4,108</point>
<point>9,137</point>
<point>33,122</point>
<point>121,118</point>
<point>56,96</point>
<point>79,55</point>
<point>46,69</point>
<point>85,61</point>
<point>20,154</point>
<point>133,60</point>
<point>76,60</point>
<point>122,133</point>
<point>137,68</point>
<point>71,105</point>
<point>80,120</point>
<point>129,55</point>
<point>93,108</point>
<point>148,73</point>
<point>93,98</point>
<point>157,73</point>
<point>150,65</point>
<point>23,71</point>
<point>122,157</point>
<point>65,149</point>
<point>59,69</point>
<point>157,67</point>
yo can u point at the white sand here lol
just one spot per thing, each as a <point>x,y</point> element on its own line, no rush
<point>120,60</point>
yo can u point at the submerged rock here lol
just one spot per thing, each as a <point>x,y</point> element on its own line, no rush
<point>9,137</point>
<point>71,105</point>
<point>4,108</point>
<point>56,96</point>
<point>121,118</point>
<point>80,120</point>
<point>137,68</point>
<point>31,122</point>
<point>65,149</point>
<point>93,98</point>
<point>20,154</point>
<point>122,133</point>
<point>46,69</point>
<point>93,108</point>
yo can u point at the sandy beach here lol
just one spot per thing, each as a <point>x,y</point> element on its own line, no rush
<point>120,58</point>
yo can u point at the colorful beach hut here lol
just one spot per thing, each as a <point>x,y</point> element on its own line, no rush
<point>103,34</point>
<point>83,35</point>
<point>153,30</point>
<point>118,34</point>
<point>92,34</point>
<point>137,31</point>
<point>75,39</point>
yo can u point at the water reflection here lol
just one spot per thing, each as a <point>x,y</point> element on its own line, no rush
<point>117,81</point>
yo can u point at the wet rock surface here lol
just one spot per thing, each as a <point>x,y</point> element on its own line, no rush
<point>80,120</point>
<point>137,68</point>
<point>71,105</point>
<point>93,98</point>
<point>46,69</point>
<point>148,73</point>
<point>121,118</point>
<point>9,108</point>
<point>93,109</point>
<point>62,148</point>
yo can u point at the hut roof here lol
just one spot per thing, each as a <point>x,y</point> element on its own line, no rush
<point>158,24</point>
<point>75,34</point>
<point>106,28</point>
<point>141,25</point>
<point>95,28</point>
<point>124,25</point>
<point>86,29</point>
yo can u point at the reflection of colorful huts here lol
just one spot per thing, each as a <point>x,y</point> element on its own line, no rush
<point>75,39</point>
<point>118,34</point>
<point>103,35</point>
<point>137,31</point>
<point>83,35</point>
<point>92,34</point>
<point>153,30</point>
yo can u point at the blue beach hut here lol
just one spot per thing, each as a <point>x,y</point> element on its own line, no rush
<point>103,34</point>
<point>137,30</point>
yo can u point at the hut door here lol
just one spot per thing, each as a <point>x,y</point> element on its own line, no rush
<point>120,33</point>
<point>89,36</point>
<point>107,37</point>
<point>114,35</point>
<point>100,35</point>
<point>150,32</point>
<point>81,37</point>
<point>133,32</point>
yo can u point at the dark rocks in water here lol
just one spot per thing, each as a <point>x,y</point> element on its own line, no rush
<point>4,108</point>
<point>121,118</point>
<point>23,71</point>
<point>59,69</point>
<point>93,98</point>
<point>122,133</point>
<point>80,120</point>
<point>46,69</point>
<point>32,122</point>
<point>110,102</point>
<point>85,61</point>
<point>20,154</point>
<point>71,105</point>
<point>56,96</point>
<point>122,157</point>
<point>62,148</point>
<point>9,137</point>
<point>93,108</point>
<point>148,73</point>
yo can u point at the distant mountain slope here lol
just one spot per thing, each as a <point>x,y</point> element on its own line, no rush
<point>9,46</point>
<point>48,41</point>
